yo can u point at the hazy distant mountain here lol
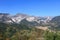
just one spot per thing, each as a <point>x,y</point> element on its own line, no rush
<point>6,18</point>
<point>56,19</point>
<point>55,23</point>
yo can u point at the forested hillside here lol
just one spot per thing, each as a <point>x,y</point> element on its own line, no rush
<point>23,32</point>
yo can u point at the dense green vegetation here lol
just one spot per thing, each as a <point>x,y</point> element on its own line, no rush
<point>23,32</point>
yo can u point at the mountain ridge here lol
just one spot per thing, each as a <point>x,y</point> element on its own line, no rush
<point>7,18</point>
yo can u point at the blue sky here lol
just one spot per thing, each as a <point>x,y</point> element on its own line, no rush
<point>31,7</point>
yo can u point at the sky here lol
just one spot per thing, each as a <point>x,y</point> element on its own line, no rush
<point>31,7</point>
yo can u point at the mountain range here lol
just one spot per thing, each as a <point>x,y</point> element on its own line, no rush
<point>31,21</point>
<point>19,18</point>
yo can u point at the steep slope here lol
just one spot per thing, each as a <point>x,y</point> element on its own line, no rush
<point>28,23</point>
<point>56,19</point>
<point>5,17</point>
<point>55,23</point>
